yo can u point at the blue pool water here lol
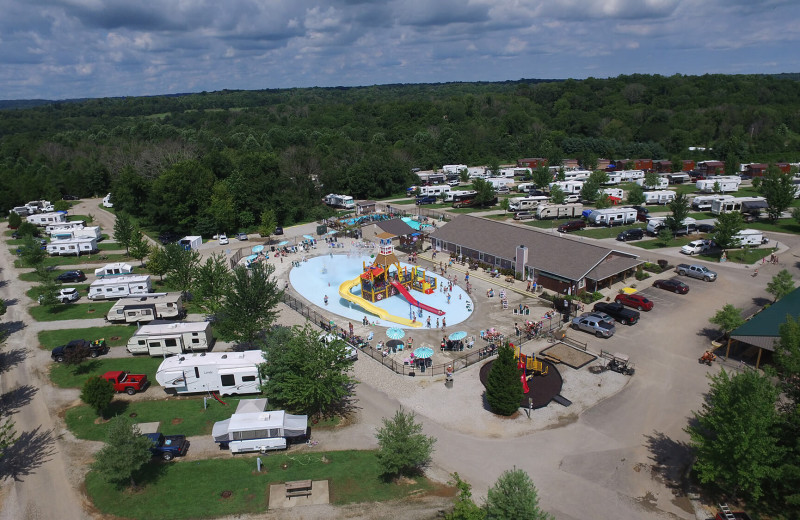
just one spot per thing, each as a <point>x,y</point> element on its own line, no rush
<point>322,275</point>
<point>413,223</point>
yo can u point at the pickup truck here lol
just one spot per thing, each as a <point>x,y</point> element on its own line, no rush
<point>167,446</point>
<point>696,271</point>
<point>619,312</point>
<point>86,348</point>
<point>125,382</point>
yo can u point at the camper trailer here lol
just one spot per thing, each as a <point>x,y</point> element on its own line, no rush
<point>340,201</point>
<point>659,197</point>
<point>228,373</point>
<point>612,216</point>
<point>726,183</point>
<point>576,175</point>
<point>190,242</point>
<point>660,185</point>
<point>144,309</point>
<point>252,428</point>
<point>654,224</point>
<point>614,178</point>
<point>568,187</point>
<point>434,191</point>
<point>119,287</point>
<point>39,206</point>
<point>166,339</point>
<point>107,201</point>
<point>500,182</point>
<point>679,178</point>
<point>63,226</point>
<point>526,203</point>
<point>72,246</point>
<point>559,211</point>
<point>618,193</point>
<point>115,269</point>
<point>743,204</point>
<point>631,175</point>
<point>452,196</point>
<point>454,168</point>
<point>44,219</point>
<point>22,211</point>
<point>525,187</point>
<point>748,237</point>
<point>83,232</point>
<point>703,202</point>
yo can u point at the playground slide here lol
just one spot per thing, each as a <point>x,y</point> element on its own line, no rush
<point>344,292</point>
<point>402,290</point>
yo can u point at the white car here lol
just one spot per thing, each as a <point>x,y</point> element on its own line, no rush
<point>223,240</point>
<point>453,183</point>
<point>696,246</point>
<point>70,294</point>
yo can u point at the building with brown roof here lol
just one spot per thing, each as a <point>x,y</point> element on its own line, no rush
<point>558,263</point>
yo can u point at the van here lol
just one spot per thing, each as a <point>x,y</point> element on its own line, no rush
<point>524,215</point>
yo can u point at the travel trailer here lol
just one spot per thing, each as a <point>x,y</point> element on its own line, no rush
<point>191,242</point>
<point>107,201</point>
<point>166,339</point>
<point>614,192</point>
<point>660,185</point>
<point>143,309</point>
<point>614,178</point>
<point>252,428</point>
<point>44,219</point>
<point>39,206</point>
<point>726,183</point>
<point>115,269</point>
<point>559,211</point>
<point>576,175</point>
<point>656,223</point>
<point>434,191</point>
<point>659,197</point>
<point>703,202</point>
<point>119,287</point>
<point>454,168</point>
<point>452,196</point>
<point>568,187</point>
<point>228,373</point>
<point>63,226</point>
<point>82,232</point>
<point>749,237</point>
<point>526,203</point>
<point>22,211</point>
<point>525,187</point>
<point>631,175</point>
<point>72,246</point>
<point>743,204</point>
<point>340,201</point>
<point>679,178</point>
<point>612,216</point>
<point>499,182</point>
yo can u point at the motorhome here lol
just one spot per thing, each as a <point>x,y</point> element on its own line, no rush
<point>434,191</point>
<point>115,269</point>
<point>63,226</point>
<point>83,232</point>
<point>143,309</point>
<point>191,242</point>
<point>119,287</point>
<point>618,193</point>
<point>679,178</point>
<point>72,246</point>
<point>743,204</point>
<point>612,216</point>
<point>340,201</point>
<point>44,219</point>
<point>568,186</point>
<point>166,339</point>
<point>576,175</point>
<point>253,428</point>
<point>226,373</point>
<point>455,195</point>
<point>720,183</point>
<point>558,211</point>
<point>703,202</point>
<point>654,224</point>
<point>748,237</point>
<point>107,201</point>
<point>660,184</point>
<point>526,203</point>
<point>659,197</point>
<point>631,175</point>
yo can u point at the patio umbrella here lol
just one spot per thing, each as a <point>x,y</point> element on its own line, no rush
<point>283,242</point>
<point>308,237</point>
<point>423,352</point>
<point>395,333</point>
<point>258,249</point>
<point>457,335</point>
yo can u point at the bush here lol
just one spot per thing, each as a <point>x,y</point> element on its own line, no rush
<point>663,264</point>
<point>98,392</point>
<point>402,447</point>
<point>503,388</point>
<point>641,275</point>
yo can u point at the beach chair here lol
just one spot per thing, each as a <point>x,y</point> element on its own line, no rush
<point>370,336</point>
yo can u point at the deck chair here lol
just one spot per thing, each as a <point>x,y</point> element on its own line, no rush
<point>370,336</point>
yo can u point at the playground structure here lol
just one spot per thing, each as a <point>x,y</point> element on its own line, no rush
<point>529,366</point>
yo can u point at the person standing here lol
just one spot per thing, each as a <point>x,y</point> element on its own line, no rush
<point>444,322</point>
<point>428,323</point>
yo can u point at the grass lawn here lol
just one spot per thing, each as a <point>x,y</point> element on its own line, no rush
<point>687,188</point>
<point>473,209</point>
<point>182,490</point>
<point>657,244</point>
<point>83,259</point>
<point>741,256</point>
<point>501,217</point>
<point>606,232</point>
<point>783,225</point>
<point>71,311</point>
<point>34,292</point>
<point>548,223</point>
<point>657,209</point>
<point>50,339</point>
<point>73,376</point>
<point>75,218</point>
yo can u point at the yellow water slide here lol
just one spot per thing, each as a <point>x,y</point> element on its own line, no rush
<point>344,292</point>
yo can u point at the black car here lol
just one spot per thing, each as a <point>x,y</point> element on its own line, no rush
<point>631,234</point>
<point>619,312</point>
<point>278,230</point>
<point>168,237</point>
<point>79,347</point>
<point>71,276</point>
<point>706,228</point>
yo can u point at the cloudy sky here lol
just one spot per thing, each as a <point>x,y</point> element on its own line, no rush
<point>58,49</point>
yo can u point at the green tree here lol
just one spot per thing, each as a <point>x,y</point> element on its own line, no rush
<point>98,392</point>
<point>636,195</point>
<point>484,192</point>
<point>781,284</point>
<point>402,447</point>
<point>464,508</point>
<point>664,236</point>
<point>787,362</point>
<point>463,175</point>
<point>307,372</point>
<point>779,190</point>
<point>123,230</point>
<point>590,190</point>
<point>727,227</point>
<point>728,318</point>
<point>514,496</point>
<point>557,195</point>
<point>603,201</point>
<point>158,261</point>
<point>14,220</point>
<point>651,180</point>
<point>786,371</point>
<point>31,251</point>
<point>182,266</point>
<point>222,207</point>
<point>716,188</point>
<point>250,305</point>
<point>796,215</point>
<point>542,177</point>
<point>503,386</point>
<point>138,247</point>
<point>8,436</point>
<point>124,454</point>
<point>27,229</point>
<point>680,211</point>
<point>62,205</point>
<point>267,224</point>
<point>48,287</point>
<point>504,204</point>
<point>211,283</point>
<point>734,434</point>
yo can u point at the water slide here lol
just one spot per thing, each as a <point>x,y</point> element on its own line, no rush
<point>402,290</point>
<point>344,292</point>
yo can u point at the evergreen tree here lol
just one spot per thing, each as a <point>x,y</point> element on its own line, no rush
<point>125,452</point>
<point>514,496</point>
<point>503,386</point>
<point>464,508</point>
<point>402,447</point>
<point>98,392</point>
<point>123,230</point>
<point>781,284</point>
<point>680,211</point>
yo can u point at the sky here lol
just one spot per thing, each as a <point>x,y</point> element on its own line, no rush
<point>62,49</point>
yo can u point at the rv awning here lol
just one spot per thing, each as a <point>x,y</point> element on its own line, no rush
<point>750,205</point>
<point>295,425</point>
<point>220,431</point>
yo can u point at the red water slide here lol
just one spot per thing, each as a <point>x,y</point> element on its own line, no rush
<point>413,301</point>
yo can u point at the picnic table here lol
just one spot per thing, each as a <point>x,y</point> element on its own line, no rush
<point>298,488</point>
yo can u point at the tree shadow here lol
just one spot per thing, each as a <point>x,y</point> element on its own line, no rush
<point>117,407</point>
<point>10,327</point>
<point>27,453</point>
<point>709,332</point>
<point>85,368</point>
<point>347,406</point>
<point>11,358</point>
<point>760,301</point>
<point>671,460</point>
<point>16,398</point>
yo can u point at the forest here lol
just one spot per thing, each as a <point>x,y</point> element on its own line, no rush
<point>215,161</point>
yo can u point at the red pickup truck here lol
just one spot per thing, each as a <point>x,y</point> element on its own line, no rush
<point>125,382</point>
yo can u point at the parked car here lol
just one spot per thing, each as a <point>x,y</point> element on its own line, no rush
<point>706,228</point>
<point>242,236</point>
<point>453,182</point>
<point>631,234</point>
<point>278,231</point>
<point>573,225</point>
<point>696,246</point>
<point>637,301</point>
<point>619,312</point>
<point>126,382</point>
<point>89,348</point>
<point>70,294</point>
<point>71,276</point>
<point>167,446</point>
<point>428,199</point>
<point>689,229</point>
<point>524,215</point>
<point>676,286</point>
<point>502,189</point>
<point>223,240</point>
<point>600,328</point>
<point>599,315</point>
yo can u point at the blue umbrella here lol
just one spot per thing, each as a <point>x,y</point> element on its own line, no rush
<point>457,335</point>
<point>251,258</point>
<point>395,333</point>
<point>258,249</point>
<point>308,237</point>
<point>423,352</point>
<point>283,242</point>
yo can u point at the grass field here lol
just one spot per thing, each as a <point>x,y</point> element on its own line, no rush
<point>182,490</point>
<point>741,256</point>
<point>50,339</point>
<point>83,259</point>
<point>605,232</point>
<point>71,311</point>
<point>73,376</point>
<point>34,292</point>
<point>657,244</point>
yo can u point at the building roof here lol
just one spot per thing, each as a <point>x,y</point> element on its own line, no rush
<point>763,329</point>
<point>562,256</point>
<point>364,203</point>
<point>396,227</point>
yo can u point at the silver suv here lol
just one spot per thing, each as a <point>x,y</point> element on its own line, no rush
<point>598,327</point>
<point>524,215</point>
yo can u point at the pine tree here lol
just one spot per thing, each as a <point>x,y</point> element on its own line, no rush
<point>503,387</point>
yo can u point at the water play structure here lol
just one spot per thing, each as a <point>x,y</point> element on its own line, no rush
<point>385,278</point>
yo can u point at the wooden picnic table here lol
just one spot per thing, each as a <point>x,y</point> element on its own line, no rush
<point>298,488</point>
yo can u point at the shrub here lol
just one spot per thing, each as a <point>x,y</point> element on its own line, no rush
<point>641,275</point>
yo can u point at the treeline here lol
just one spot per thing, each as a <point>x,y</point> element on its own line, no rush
<point>213,161</point>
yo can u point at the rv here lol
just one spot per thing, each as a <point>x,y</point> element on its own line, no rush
<point>659,197</point>
<point>499,182</point>
<point>568,187</point>
<point>453,196</point>
<point>559,211</point>
<point>166,339</point>
<point>454,168</point>
<point>72,246</point>
<point>63,226</point>
<point>614,178</point>
<point>654,224</point>
<point>22,211</point>
<point>660,185</point>
<point>340,201</point>
<point>631,175</point>
<point>614,192</point>
<point>576,175</point>
<point>190,242</point>
<point>115,269</point>
<point>679,178</point>
<point>726,184</point>
<point>526,203</point>
<point>107,201</point>
<point>434,191</point>
<point>252,428</point>
<point>144,309</point>
<point>525,187</point>
<point>228,373</point>
<point>748,237</point>
<point>82,232</point>
<point>119,287</point>
<point>612,216</point>
<point>703,202</point>
<point>743,204</point>
<point>39,206</point>
<point>44,219</point>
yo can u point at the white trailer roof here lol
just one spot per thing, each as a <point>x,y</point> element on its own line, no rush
<point>151,298</point>
<point>219,359</point>
<point>136,278</point>
<point>175,328</point>
<point>75,240</point>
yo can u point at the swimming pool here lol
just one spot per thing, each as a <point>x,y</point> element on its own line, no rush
<point>414,224</point>
<point>321,276</point>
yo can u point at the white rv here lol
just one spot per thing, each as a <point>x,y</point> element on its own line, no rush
<point>253,428</point>
<point>744,204</point>
<point>107,201</point>
<point>191,242</point>
<point>748,237</point>
<point>166,339</point>
<point>120,287</point>
<point>498,182</point>
<point>340,201</point>
<point>703,202</point>
<point>64,226</point>
<point>115,269</point>
<point>454,168</point>
<point>659,197</point>
<point>576,175</point>
<point>559,211</point>
<point>72,246</point>
<point>631,175</point>
<point>451,196</point>
<point>82,232</point>
<point>228,373</point>
<point>614,192</point>
<point>526,203</point>
<point>660,185</point>
<point>44,219</point>
<point>656,223</point>
<point>612,216</point>
<point>726,183</point>
<point>39,206</point>
<point>614,178</point>
<point>568,187</point>
<point>525,187</point>
<point>434,191</point>
<point>143,309</point>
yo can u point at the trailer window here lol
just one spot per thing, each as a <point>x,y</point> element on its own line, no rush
<point>248,379</point>
<point>196,373</point>
<point>170,342</point>
<point>228,380</point>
